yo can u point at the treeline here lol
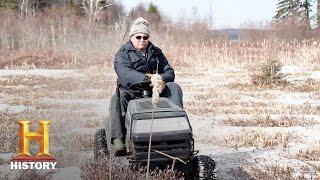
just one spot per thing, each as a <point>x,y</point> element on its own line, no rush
<point>54,20</point>
<point>105,11</point>
<point>293,19</point>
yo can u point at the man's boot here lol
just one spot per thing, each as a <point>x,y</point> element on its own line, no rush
<point>118,147</point>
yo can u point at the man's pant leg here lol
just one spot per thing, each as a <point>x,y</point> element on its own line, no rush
<point>115,118</point>
<point>174,93</point>
<point>118,108</point>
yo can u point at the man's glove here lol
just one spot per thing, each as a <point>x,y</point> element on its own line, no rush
<point>157,83</point>
<point>148,75</point>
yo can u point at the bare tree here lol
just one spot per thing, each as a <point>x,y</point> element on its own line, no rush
<point>31,6</point>
<point>93,8</point>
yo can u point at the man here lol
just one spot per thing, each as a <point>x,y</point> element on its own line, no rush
<point>137,61</point>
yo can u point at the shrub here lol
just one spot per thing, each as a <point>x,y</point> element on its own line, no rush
<point>269,73</point>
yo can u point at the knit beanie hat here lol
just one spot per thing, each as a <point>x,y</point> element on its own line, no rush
<point>140,25</point>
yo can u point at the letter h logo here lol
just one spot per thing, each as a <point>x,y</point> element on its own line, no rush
<point>25,136</point>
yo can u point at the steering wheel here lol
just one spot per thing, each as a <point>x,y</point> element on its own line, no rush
<point>141,86</point>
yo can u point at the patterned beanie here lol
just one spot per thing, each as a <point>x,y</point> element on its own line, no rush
<point>140,25</point>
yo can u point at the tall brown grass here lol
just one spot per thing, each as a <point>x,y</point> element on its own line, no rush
<point>65,38</point>
<point>100,170</point>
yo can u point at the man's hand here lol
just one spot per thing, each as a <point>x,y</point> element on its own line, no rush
<point>157,82</point>
<point>148,75</point>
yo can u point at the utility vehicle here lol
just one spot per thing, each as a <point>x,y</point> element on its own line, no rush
<point>171,136</point>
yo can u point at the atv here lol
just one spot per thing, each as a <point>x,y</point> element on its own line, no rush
<point>172,137</point>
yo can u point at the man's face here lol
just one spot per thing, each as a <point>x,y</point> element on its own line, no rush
<point>140,41</point>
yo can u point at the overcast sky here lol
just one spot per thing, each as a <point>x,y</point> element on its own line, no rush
<point>224,13</point>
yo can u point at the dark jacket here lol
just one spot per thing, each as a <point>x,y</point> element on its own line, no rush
<point>131,66</point>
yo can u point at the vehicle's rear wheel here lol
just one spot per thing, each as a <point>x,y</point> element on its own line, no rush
<point>100,144</point>
<point>203,167</point>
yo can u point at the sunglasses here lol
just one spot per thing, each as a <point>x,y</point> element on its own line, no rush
<point>143,37</point>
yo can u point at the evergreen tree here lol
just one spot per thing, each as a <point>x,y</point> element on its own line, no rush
<point>154,14</point>
<point>306,9</point>
<point>152,9</point>
<point>298,9</point>
<point>286,8</point>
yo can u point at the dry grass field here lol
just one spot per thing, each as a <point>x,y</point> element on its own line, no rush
<point>259,131</point>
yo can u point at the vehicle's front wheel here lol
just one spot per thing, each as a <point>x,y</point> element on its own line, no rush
<point>100,144</point>
<point>203,167</point>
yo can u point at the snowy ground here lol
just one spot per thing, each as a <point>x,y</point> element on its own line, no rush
<point>249,131</point>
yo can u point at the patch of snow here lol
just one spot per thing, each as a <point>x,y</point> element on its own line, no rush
<point>187,97</point>
<point>206,129</point>
<point>294,98</point>
<point>3,107</point>
<point>315,75</point>
<point>42,86</point>
<point>206,148</point>
<point>82,130</point>
<point>291,69</point>
<point>246,98</point>
<point>231,69</point>
<point>49,73</point>
<point>281,97</point>
<point>12,109</point>
<point>7,156</point>
<point>234,116</point>
<point>90,90</point>
<point>298,70</point>
<point>74,101</point>
<point>196,124</point>
<point>16,109</point>
<point>68,173</point>
<point>19,87</point>
<point>296,79</point>
<point>98,105</point>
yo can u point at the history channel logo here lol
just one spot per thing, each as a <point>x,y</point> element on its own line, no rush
<point>24,160</point>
